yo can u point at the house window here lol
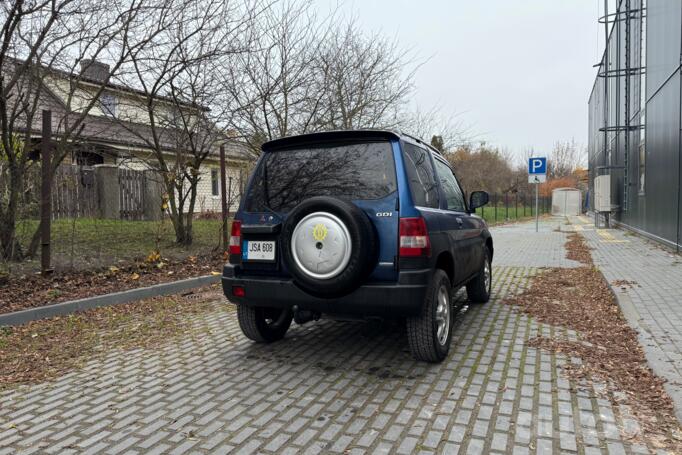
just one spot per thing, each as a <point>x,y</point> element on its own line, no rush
<point>89,158</point>
<point>215,183</point>
<point>108,104</point>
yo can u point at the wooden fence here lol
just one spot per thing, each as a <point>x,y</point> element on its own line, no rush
<point>75,193</point>
<point>131,194</point>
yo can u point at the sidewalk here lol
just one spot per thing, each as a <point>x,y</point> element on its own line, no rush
<point>647,280</point>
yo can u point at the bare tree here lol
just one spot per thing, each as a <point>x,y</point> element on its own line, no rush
<point>445,133</point>
<point>306,75</point>
<point>42,42</point>
<point>179,76</point>
<point>564,159</point>
<point>364,80</point>
<point>272,90</point>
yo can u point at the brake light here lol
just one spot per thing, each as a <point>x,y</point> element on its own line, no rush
<point>414,238</point>
<point>236,238</point>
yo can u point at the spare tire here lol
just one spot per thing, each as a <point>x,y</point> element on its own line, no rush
<point>329,246</point>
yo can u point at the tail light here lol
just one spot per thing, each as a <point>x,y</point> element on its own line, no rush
<point>414,238</point>
<point>236,238</point>
<point>238,291</point>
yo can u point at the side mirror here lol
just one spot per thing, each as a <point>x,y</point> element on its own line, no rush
<point>478,199</point>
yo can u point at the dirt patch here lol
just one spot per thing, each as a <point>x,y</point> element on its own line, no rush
<point>580,299</point>
<point>29,291</point>
<point>42,350</point>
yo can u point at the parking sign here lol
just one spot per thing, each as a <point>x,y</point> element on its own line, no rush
<point>537,169</point>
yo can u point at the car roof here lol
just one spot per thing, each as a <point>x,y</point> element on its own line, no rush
<point>342,135</point>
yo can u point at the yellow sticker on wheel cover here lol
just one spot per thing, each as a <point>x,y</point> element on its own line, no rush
<point>320,232</point>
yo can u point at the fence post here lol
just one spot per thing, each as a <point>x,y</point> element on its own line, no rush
<point>108,191</point>
<point>496,197</point>
<point>152,199</point>
<point>45,193</point>
<point>223,196</point>
<point>506,206</point>
<point>516,205</point>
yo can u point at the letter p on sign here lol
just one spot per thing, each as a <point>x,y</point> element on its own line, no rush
<point>537,165</point>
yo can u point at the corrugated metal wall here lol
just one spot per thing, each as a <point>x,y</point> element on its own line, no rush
<point>655,207</point>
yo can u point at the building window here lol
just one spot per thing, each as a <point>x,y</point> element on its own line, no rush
<point>642,154</point>
<point>215,183</point>
<point>108,104</point>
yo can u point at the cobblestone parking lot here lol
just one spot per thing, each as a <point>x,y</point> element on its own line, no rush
<point>333,387</point>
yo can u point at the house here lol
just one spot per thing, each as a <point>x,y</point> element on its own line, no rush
<point>116,131</point>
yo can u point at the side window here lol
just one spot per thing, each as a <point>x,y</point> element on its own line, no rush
<point>420,175</point>
<point>453,193</point>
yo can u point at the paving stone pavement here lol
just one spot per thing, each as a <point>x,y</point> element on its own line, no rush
<point>330,387</point>
<point>518,244</point>
<point>652,301</point>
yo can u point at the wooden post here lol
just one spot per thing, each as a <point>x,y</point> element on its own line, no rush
<point>223,196</point>
<point>229,195</point>
<point>46,194</point>
<point>506,206</point>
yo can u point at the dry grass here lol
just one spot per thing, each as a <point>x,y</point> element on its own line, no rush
<point>43,350</point>
<point>27,291</point>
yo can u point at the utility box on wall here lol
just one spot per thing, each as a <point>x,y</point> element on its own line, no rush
<point>602,193</point>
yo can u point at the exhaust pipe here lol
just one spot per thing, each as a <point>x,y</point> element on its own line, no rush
<point>303,316</point>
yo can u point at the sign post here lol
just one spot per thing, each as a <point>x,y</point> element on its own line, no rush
<point>537,215</point>
<point>537,173</point>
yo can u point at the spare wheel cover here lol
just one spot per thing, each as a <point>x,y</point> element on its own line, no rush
<point>321,245</point>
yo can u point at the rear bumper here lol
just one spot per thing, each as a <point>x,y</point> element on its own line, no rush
<point>400,299</point>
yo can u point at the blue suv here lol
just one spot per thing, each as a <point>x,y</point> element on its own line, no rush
<point>356,224</point>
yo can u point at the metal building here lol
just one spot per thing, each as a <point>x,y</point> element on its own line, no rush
<point>634,117</point>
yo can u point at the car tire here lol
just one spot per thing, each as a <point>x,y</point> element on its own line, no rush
<point>263,325</point>
<point>362,240</point>
<point>427,343</point>
<point>479,288</point>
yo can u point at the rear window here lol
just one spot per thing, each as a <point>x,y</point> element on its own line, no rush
<point>353,171</point>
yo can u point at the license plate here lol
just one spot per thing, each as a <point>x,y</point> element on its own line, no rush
<point>258,250</point>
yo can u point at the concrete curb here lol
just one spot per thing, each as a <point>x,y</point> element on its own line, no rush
<point>116,298</point>
<point>653,352</point>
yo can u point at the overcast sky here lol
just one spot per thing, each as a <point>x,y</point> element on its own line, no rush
<point>519,72</point>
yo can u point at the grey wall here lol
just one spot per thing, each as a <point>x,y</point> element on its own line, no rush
<point>656,211</point>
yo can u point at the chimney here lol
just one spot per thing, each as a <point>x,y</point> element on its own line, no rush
<point>92,69</point>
